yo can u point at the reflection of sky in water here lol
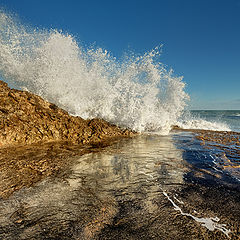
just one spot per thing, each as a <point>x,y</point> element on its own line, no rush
<point>137,169</point>
<point>209,161</point>
<point>141,162</point>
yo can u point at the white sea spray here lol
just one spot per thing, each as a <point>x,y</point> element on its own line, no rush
<point>190,120</point>
<point>136,92</point>
<point>200,123</point>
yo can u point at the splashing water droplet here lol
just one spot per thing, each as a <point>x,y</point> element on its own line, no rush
<point>136,92</point>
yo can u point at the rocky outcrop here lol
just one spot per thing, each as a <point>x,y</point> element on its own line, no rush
<point>26,118</point>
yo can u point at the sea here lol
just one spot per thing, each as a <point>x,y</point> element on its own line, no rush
<point>222,119</point>
<point>161,184</point>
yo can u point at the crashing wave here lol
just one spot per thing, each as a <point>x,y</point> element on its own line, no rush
<point>136,92</point>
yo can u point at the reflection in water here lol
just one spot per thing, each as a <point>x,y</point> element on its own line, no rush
<point>132,165</point>
<point>114,194</point>
<point>136,169</point>
<point>82,203</point>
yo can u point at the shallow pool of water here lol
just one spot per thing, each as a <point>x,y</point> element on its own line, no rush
<point>148,187</point>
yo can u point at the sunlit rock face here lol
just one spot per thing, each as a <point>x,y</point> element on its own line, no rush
<point>27,118</point>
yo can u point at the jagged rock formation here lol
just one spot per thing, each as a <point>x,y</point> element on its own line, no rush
<point>39,139</point>
<point>26,118</point>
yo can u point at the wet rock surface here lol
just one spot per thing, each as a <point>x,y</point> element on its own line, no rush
<point>147,187</point>
<point>23,166</point>
<point>26,118</point>
<point>225,146</point>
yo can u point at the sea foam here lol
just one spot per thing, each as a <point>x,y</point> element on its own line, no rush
<point>191,121</point>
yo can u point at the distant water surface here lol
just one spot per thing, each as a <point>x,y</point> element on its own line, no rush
<point>230,117</point>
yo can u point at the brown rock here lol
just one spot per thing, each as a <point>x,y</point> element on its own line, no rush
<point>26,118</point>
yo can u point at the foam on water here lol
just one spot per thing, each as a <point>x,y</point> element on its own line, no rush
<point>189,120</point>
<point>203,124</point>
<point>136,92</point>
<point>210,223</point>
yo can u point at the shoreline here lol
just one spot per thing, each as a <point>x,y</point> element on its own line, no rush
<point>37,138</point>
<point>108,193</point>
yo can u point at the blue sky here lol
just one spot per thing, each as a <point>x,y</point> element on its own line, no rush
<point>201,38</point>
